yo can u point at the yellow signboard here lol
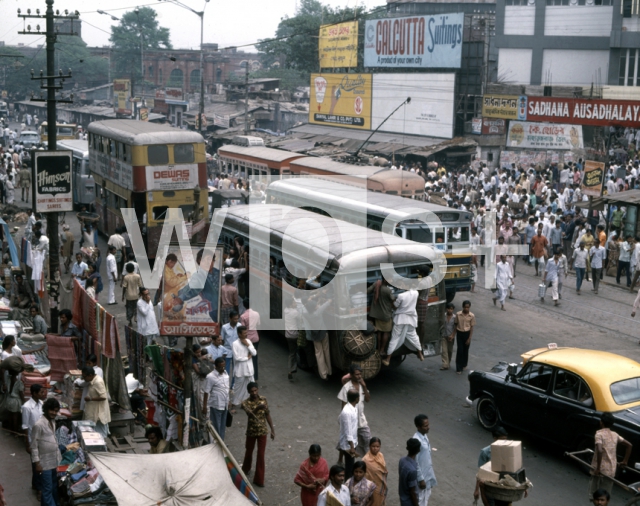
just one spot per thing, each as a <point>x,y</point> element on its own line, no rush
<point>338,45</point>
<point>341,100</point>
<point>121,93</point>
<point>504,106</point>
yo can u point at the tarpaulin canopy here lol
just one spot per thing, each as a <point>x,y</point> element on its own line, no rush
<point>185,478</point>
<point>13,251</point>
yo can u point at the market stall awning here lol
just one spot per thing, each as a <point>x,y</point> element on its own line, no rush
<point>185,478</point>
<point>630,197</point>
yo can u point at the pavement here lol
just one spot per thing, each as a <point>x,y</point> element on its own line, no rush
<point>305,411</point>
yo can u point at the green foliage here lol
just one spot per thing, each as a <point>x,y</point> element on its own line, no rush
<point>126,40</point>
<point>298,35</point>
<point>71,53</point>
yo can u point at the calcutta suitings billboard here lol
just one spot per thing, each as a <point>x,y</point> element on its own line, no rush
<point>414,41</point>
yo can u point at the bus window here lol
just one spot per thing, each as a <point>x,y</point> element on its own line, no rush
<point>422,234</point>
<point>112,148</point>
<point>169,194</point>
<point>124,153</point>
<point>183,153</point>
<point>454,234</point>
<point>465,234</point>
<point>159,212</point>
<point>66,131</point>
<point>158,154</point>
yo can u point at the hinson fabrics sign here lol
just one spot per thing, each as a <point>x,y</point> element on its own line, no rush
<point>414,41</point>
<point>523,134</point>
<point>593,178</point>
<point>52,187</point>
<point>583,111</point>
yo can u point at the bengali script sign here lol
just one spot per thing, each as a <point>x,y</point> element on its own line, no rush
<point>338,45</point>
<point>504,106</point>
<point>593,178</point>
<point>523,134</point>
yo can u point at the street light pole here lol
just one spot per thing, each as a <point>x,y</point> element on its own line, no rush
<point>200,14</point>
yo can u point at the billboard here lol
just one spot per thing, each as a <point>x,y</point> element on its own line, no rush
<point>341,100</point>
<point>338,45</point>
<point>172,177</point>
<point>414,42</point>
<point>189,311</point>
<point>524,134</point>
<point>584,111</point>
<point>593,178</point>
<point>430,112</point>
<point>121,94</point>
<point>504,106</point>
<point>491,126</point>
<point>52,182</point>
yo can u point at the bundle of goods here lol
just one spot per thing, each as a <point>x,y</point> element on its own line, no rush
<point>504,477</point>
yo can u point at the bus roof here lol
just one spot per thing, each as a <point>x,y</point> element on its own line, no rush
<point>75,145</point>
<point>345,240</point>
<point>330,165</point>
<point>350,198</point>
<point>266,154</point>
<point>141,133</point>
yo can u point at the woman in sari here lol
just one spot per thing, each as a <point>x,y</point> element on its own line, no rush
<point>312,476</point>
<point>360,489</point>
<point>376,471</point>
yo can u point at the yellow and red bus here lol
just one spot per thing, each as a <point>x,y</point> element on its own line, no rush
<point>148,167</point>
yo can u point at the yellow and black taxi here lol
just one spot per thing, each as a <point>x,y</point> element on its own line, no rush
<point>559,394</point>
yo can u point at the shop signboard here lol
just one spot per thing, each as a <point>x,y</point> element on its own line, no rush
<point>584,111</point>
<point>504,106</point>
<point>430,112</point>
<point>121,93</point>
<point>338,45</point>
<point>493,126</point>
<point>593,178</point>
<point>172,177</point>
<point>52,182</point>
<point>414,41</point>
<point>476,126</point>
<point>342,100</point>
<point>190,309</point>
<point>527,135</point>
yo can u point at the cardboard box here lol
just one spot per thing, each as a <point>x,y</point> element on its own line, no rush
<point>486,474</point>
<point>506,456</point>
<point>520,476</point>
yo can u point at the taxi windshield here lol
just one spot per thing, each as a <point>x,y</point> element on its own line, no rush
<point>626,391</point>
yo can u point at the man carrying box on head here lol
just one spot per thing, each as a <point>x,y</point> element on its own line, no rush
<point>485,456</point>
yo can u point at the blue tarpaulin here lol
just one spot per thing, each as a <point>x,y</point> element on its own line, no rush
<point>13,251</point>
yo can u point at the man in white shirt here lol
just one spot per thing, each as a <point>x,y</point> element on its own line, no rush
<point>349,431</point>
<point>147,324</point>
<point>91,361</point>
<point>356,382</point>
<point>243,353</point>
<point>426,476</point>
<point>597,254</point>
<point>635,261</point>
<point>78,269</point>
<point>335,487</point>
<point>112,274</point>
<point>31,413</point>
<point>580,265</point>
<point>405,321</point>
<point>216,397</point>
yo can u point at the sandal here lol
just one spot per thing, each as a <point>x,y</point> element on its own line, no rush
<point>444,368</point>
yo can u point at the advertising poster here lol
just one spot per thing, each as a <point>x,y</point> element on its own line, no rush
<point>476,126</point>
<point>414,42</point>
<point>430,112</point>
<point>544,136</point>
<point>121,94</point>
<point>188,311</point>
<point>341,100</point>
<point>338,45</point>
<point>593,178</point>
<point>172,177</point>
<point>504,106</point>
<point>52,182</point>
<point>584,111</point>
<point>492,126</point>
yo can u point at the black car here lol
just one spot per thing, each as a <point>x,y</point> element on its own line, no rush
<point>559,395</point>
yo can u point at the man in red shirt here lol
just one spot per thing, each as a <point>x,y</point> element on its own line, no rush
<point>539,245</point>
<point>228,299</point>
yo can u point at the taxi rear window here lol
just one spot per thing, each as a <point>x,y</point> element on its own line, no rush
<point>626,391</point>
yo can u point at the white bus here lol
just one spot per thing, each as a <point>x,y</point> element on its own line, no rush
<point>83,183</point>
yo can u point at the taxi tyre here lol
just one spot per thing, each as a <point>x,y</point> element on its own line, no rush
<point>487,412</point>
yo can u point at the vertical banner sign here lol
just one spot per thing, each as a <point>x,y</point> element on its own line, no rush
<point>338,45</point>
<point>52,182</point>
<point>593,178</point>
<point>341,100</point>
<point>144,114</point>
<point>414,42</point>
<point>121,92</point>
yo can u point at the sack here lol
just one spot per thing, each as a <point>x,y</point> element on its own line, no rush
<point>205,367</point>
<point>229,420</point>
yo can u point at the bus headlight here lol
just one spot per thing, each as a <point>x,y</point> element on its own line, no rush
<point>464,271</point>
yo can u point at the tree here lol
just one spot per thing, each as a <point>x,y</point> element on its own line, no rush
<point>297,37</point>
<point>126,40</point>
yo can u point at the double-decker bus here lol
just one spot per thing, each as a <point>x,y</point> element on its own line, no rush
<point>84,186</point>
<point>370,209</point>
<point>150,168</point>
<point>284,250</point>
<point>63,131</point>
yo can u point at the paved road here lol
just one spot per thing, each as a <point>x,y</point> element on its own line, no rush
<point>306,410</point>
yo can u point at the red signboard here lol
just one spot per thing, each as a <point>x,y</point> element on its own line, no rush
<point>491,126</point>
<point>584,111</point>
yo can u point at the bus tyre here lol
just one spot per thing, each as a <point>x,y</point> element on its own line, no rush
<point>450,295</point>
<point>488,414</point>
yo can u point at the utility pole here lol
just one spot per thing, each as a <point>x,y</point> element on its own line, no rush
<point>246,99</point>
<point>51,86</point>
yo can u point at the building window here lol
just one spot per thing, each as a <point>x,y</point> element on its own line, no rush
<point>150,70</point>
<point>520,2</point>
<point>160,76</point>
<point>628,75</point>
<point>176,79</point>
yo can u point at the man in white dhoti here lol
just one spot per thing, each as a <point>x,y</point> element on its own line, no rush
<point>405,321</point>
<point>243,351</point>
<point>504,277</point>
